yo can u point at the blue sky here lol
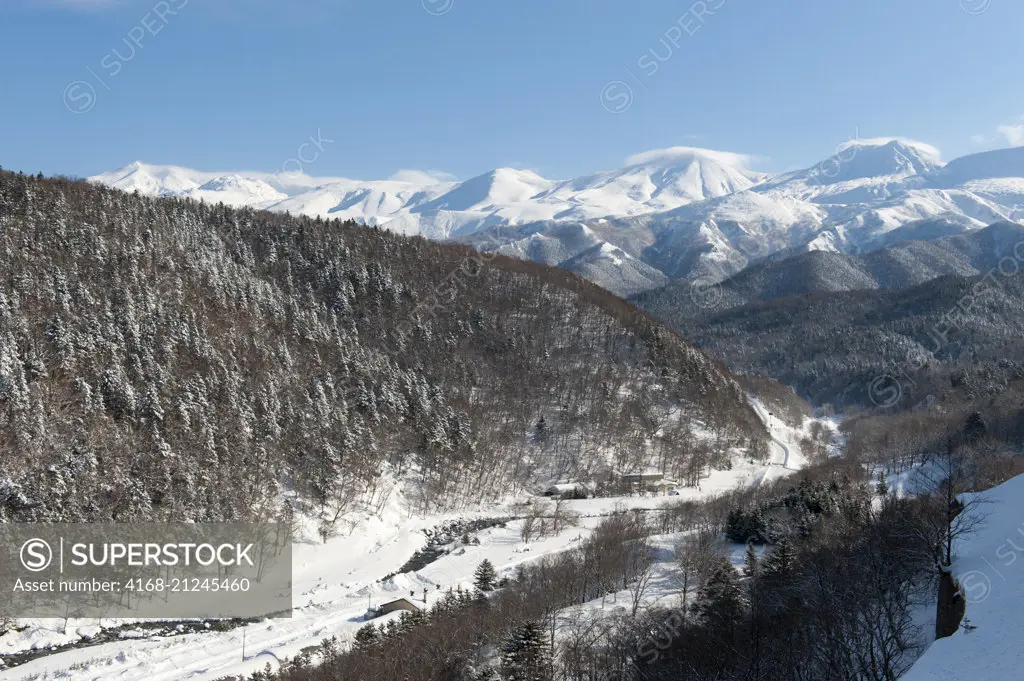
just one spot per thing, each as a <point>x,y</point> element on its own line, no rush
<point>563,87</point>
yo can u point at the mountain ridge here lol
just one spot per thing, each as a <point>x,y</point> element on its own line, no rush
<point>440,209</point>
<point>684,212</point>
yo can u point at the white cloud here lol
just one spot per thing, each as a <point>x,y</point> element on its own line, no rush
<point>1014,134</point>
<point>1011,134</point>
<point>673,153</point>
<point>423,177</point>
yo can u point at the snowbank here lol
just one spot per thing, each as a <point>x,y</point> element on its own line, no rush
<point>990,567</point>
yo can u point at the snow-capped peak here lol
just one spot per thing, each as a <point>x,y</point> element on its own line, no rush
<point>656,181</point>
<point>151,179</point>
<point>499,187</point>
<point>922,148</point>
<point>879,158</point>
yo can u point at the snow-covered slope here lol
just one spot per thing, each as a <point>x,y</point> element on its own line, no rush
<point>854,201</point>
<point>546,243</point>
<point>613,268</point>
<point>998,163</point>
<point>989,570</point>
<point>373,203</point>
<point>654,181</point>
<point>866,189</point>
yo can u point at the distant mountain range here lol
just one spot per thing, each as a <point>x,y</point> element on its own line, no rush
<point>677,213</point>
<point>898,265</point>
<point>421,204</point>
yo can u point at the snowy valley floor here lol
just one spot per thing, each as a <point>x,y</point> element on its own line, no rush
<point>334,583</point>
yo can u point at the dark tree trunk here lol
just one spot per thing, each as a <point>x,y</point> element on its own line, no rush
<point>951,606</point>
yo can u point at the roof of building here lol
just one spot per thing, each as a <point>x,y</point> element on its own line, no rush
<point>567,486</point>
<point>404,600</point>
<point>646,475</point>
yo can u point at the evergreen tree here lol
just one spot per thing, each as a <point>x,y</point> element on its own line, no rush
<point>367,637</point>
<point>750,565</point>
<point>975,428</point>
<point>485,576</point>
<point>882,486</point>
<point>722,601</point>
<point>448,604</point>
<point>527,655</point>
<point>540,430</point>
<point>805,523</point>
<point>781,559</point>
<point>744,526</point>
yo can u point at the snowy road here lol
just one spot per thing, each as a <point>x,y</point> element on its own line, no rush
<point>783,439</point>
<point>334,583</point>
<point>785,451</point>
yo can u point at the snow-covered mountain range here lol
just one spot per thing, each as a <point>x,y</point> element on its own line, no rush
<point>420,204</point>
<point>674,213</point>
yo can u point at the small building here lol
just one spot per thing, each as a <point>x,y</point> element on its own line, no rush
<point>641,479</point>
<point>568,490</point>
<point>405,604</point>
<point>662,486</point>
<point>647,481</point>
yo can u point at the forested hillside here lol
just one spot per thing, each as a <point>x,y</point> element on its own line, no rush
<point>832,346</point>
<point>169,359</point>
<point>862,331</point>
